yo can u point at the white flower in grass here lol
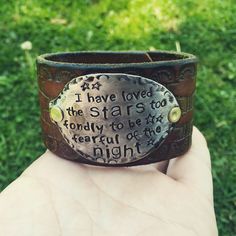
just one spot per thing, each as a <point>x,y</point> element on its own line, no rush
<point>58,21</point>
<point>27,45</point>
<point>152,48</point>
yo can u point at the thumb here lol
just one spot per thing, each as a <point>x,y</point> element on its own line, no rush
<point>194,167</point>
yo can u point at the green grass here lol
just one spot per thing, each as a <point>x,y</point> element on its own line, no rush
<point>206,28</point>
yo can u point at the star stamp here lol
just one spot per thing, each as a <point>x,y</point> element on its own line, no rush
<point>85,86</point>
<point>96,85</point>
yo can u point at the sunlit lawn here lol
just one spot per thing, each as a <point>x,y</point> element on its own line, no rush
<point>205,28</point>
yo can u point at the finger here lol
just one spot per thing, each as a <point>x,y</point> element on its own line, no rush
<point>162,166</point>
<point>194,168</point>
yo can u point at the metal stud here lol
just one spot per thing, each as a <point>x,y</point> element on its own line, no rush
<point>174,114</point>
<point>56,114</point>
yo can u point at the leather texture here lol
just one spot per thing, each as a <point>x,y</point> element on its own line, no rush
<point>176,71</point>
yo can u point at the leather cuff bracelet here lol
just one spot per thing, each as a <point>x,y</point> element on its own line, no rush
<point>117,108</point>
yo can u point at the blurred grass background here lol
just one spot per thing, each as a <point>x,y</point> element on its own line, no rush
<point>206,28</point>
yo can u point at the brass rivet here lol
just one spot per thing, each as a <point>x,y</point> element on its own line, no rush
<point>56,114</point>
<point>174,114</point>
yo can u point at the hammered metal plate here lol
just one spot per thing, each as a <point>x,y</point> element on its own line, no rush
<point>113,118</point>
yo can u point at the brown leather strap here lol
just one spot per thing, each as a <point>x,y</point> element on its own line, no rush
<point>176,71</point>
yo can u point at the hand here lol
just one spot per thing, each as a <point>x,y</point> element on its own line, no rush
<point>54,197</point>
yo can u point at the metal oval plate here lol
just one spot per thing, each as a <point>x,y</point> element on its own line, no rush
<point>114,118</point>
